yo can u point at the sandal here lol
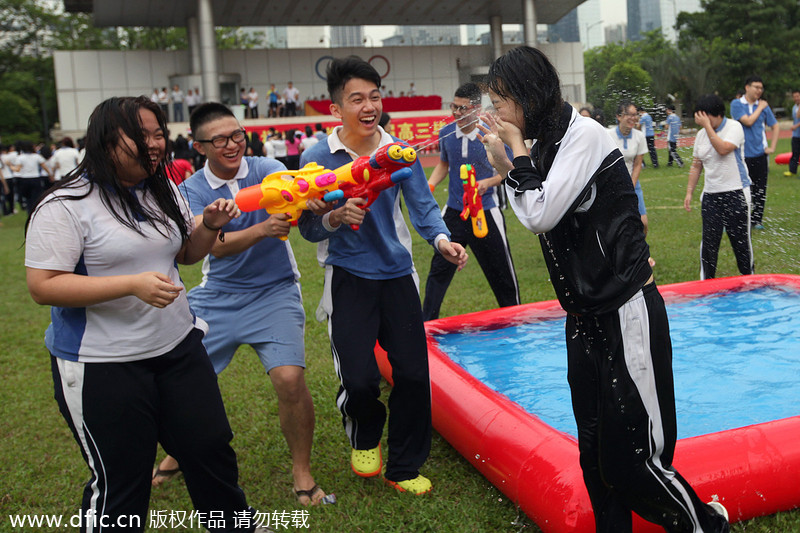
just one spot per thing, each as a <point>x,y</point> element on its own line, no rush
<point>308,494</point>
<point>164,475</point>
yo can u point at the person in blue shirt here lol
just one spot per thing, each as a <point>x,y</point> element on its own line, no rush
<point>250,292</point>
<point>795,135</point>
<point>755,115</point>
<point>459,145</point>
<point>646,125</point>
<point>371,290</point>
<point>673,128</point>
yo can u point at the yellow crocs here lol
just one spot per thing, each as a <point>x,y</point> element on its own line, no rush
<point>418,485</point>
<point>366,463</point>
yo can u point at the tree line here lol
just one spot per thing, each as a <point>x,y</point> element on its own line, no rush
<point>717,49</point>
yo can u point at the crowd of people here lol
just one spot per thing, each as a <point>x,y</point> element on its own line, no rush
<point>108,226</point>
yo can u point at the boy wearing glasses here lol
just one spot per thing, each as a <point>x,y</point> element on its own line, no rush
<point>458,145</point>
<point>250,292</point>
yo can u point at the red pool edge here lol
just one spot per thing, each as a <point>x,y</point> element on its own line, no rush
<point>753,470</point>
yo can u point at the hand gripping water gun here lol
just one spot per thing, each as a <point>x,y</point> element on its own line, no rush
<point>473,203</point>
<point>367,176</point>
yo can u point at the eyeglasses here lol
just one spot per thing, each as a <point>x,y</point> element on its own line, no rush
<point>221,141</point>
<point>461,108</point>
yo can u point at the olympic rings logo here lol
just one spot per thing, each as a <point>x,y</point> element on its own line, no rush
<point>379,62</point>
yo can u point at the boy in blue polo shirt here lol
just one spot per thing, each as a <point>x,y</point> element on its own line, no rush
<point>458,145</point>
<point>646,125</point>
<point>371,289</point>
<point>755,115</point>
<point>795,135</point>
<point>250,292</point>
<point>673,128</point>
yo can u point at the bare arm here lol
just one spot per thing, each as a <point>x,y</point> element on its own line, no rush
<point>238,241</point>
<point>722,146</point>
<point>66,289</point>
<point>776,130</point>
<point>215,215</point>
<point>749,120</point>
<point>694,177</point>
<point>637,169</point>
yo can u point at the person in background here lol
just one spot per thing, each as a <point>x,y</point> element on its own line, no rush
<point>319,131</point>
<point>673,130</point>
<point>252,103</point>
<point>459,145</point>
<point>65,159</point>
<point>309,140</point>
<point>719,150</point>
<point>177,98</point>
<point>291,98</point>
<point>163,102</point>
<point>755,114</point>
<point>572,189</point>
<point>30,166</point>
<point>102,248</point>
<point>272,101</point>
<point>371,291</point>
<point>795,135</point>
<point>631,142</point>
<point>292,149</point>
<point>646,126</point>
<point>180,167</point>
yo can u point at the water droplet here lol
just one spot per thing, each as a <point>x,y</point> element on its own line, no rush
<point>477,456</point>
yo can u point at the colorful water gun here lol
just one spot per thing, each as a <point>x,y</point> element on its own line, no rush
<point>473,203</point>
<point>366,177</point>
<point>288,191</point>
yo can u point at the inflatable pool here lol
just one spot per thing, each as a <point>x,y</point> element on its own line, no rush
<point>752,469</point>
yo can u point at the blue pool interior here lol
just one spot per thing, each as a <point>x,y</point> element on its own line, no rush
<point>736,361</point>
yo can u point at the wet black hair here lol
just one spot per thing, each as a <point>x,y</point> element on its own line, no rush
<point>526,76</point>
<point>711,104</point>
<point>471,91</point>
<point>109,122</point>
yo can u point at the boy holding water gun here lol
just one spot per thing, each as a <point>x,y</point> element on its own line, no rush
<point>250,292</point>
<point>459,145</point>
<point>371,287</point>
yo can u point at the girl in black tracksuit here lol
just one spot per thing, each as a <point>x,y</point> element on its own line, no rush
<point>574,190</point>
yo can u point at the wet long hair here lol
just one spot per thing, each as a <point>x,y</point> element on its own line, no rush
<point>109,121</point>
<point>526,76</point>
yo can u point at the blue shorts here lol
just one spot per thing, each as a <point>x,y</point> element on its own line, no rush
<point>640,196</point>
<point>272,321</point>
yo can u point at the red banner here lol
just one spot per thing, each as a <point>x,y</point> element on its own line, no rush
<point>390,105</point>
<point>419,132</point>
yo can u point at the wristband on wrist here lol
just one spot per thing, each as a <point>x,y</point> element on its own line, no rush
<point>220,233</point>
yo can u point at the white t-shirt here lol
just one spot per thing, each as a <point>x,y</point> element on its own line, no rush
<point>291,94</point>
<point>29,165</point>
<point>64,160</point>
<point>308,142</point>
<point>279,145</point>
<point>722,172</point>
<point>636,145</point>
<point>82,236</point>
<point>252,98</point>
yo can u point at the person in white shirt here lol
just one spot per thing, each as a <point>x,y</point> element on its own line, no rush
<point>177,103</point>
<point>291,95</point>
<point>252,102</point>
<point>65,159</point>
<point>633,145</point>
<point>719,150</point>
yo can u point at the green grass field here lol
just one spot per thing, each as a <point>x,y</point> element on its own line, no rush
<point>41,471</point>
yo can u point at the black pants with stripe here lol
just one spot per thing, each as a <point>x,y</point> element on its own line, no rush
<point>758,169</point>
<point>492,252</point>
<point>651,147</point>
<point>118,412</point>
<point>366,310</point>
<point>729,211</point>
<point>620,377</point>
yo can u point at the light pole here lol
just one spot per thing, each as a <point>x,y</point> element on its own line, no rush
<point>589,27</point>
